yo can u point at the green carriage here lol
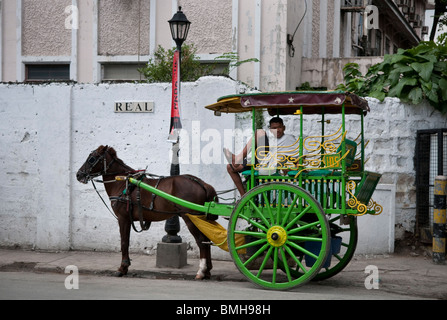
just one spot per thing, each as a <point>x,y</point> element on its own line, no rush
<point>298,219</point>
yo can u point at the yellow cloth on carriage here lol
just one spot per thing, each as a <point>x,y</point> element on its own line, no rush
<point>215,232</point>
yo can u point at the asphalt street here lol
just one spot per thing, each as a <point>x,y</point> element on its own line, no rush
<point>51,286</point>
<point>46,275</point>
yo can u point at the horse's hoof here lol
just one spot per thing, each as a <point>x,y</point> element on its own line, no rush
<point>200,277</point>
<point>119,274</point>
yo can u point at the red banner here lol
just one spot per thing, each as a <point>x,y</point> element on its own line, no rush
<point>176,125</point>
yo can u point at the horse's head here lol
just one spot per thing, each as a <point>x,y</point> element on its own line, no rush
<point>97,163</point>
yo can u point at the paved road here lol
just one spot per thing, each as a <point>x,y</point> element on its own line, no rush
<point>40,275</point>
<point>32,285</point>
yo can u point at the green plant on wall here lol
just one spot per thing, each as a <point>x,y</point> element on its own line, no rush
<point>159,68</point>
<point>411,75</point>
<point>234,61</point>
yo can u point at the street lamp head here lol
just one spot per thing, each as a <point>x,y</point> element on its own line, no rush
<point>179,27</point>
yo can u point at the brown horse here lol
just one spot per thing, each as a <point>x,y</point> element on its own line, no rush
<point>133,204</point>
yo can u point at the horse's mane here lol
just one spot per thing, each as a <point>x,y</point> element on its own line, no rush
<point>101,149</point>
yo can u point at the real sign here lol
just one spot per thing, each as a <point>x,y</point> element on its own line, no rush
<point>134,106</point>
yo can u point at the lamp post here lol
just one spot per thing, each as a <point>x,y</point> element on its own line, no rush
<point>179,25</point>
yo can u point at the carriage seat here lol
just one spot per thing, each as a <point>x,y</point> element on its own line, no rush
<point>248,172</point>
<point>351,147</point>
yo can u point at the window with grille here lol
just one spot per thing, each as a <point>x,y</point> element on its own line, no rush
<point>47,72</point>
<point>121,71</point>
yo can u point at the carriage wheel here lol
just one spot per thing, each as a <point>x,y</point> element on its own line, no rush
<point>270,230</point>
<point>339,260</point>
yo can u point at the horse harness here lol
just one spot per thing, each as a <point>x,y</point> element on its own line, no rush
<point>126,197</point>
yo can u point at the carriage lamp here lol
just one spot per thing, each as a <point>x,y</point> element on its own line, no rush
<point>179,27</point>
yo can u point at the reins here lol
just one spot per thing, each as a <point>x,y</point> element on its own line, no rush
<point>144,225</point>
<point>125,195</point>
<point>111,212</point>
<point>127,191</point>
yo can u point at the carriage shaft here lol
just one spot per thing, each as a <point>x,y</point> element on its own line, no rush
<point>167,196</point>
<point>208,207</point>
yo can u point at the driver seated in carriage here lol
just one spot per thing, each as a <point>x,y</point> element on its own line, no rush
<point>268,157</point>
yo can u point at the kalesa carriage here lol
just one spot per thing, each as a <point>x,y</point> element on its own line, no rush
<point>298,220</point>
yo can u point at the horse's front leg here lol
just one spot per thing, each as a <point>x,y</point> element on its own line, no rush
<point>124,224</point>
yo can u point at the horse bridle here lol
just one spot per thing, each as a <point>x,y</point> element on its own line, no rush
<point>93,159</point>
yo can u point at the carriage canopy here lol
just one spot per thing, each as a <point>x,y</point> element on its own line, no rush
<point>284,103</point>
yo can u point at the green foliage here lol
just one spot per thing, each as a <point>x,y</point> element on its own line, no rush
<point>233,57</point>
<point>354,80</point>
<point>411,75</point>
<point>307,87</point>
<point>159,69</point>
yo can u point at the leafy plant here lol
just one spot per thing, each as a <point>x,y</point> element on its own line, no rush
<point>411,75</point>
<point>233,57</point>
<point>354,80</point>
<point>159,68</point>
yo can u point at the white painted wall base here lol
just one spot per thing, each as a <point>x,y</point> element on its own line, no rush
<point>376,233</point>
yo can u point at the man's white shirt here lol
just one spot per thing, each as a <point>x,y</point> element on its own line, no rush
<point>279,151</point>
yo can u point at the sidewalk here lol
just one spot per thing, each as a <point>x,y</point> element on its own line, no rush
<point>414,276</point>
<point>107,263</point>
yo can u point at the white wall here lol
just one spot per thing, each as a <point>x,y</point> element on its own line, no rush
<point>46,134</point>
<point>376,234</point>
<point>47,131</point>
<point>392,128</point>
